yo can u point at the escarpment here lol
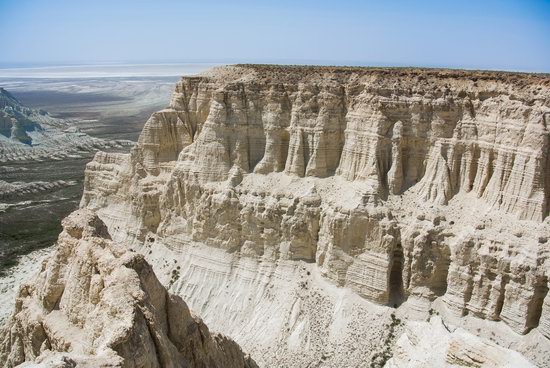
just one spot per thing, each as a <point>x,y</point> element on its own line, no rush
<point>96,303</point>
<point>403,185</point>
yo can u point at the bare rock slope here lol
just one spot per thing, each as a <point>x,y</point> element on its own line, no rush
<point>96,303</point>
<point>402,185</point>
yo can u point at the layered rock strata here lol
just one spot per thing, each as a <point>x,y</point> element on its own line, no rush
<point>400,184</point>
<point>96,303</point>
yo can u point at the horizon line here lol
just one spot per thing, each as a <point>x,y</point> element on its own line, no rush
<point>44,65</point>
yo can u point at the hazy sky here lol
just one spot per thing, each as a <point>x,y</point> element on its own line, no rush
<point>503,34</point>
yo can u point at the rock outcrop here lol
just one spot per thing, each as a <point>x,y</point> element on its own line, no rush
<point>96,303</point>
<point>402,185</point>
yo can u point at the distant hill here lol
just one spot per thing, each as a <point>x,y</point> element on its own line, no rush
<point>16,120</point>
<point>27,133</point>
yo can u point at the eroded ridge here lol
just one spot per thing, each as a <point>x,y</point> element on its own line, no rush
<point>96,303</point>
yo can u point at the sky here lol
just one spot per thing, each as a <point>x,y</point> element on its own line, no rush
<point>490,34</point>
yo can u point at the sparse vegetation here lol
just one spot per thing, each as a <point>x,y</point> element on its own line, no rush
<point>379,359</point>
<point>175,277</point>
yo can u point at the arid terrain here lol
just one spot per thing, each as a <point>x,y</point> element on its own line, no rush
<point>316,217</point>
<point>41,183</point>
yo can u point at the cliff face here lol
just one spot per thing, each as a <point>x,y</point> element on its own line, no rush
<point>96,303</point>
<point>402,185</point>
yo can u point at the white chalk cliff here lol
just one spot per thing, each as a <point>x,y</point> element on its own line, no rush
<point>294,208</point>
